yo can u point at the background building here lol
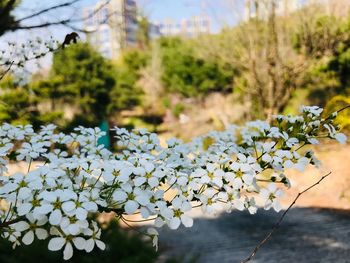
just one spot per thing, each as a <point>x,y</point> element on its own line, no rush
<point>190,27</point>
<point>113,26</point>
<point>260,8</point>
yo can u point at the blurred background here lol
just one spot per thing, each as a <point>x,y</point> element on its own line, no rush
<point>182,68</point>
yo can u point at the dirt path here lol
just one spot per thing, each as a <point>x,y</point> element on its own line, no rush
<point>307,235</point>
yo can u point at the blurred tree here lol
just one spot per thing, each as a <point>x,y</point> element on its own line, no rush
<point>6,17</point>
<point>143,32</point>
<point>126,93</point>
<point>189,75</point>
<point>18,104</point>
<point>80,76</point>
<point>270,70</point>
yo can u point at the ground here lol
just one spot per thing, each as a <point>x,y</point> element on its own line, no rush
<point>308,235</point>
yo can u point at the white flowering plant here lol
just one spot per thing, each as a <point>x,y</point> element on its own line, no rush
<point>71,179</point>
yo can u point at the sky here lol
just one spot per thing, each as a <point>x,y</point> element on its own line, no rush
<point>221,12</point>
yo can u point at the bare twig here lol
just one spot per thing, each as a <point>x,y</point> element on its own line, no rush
<point>48,10</point>
<point>2,75</point>
<point>276,226</point>
<point>8,223</point>
<point>346,107</point>
<point>68,22</point>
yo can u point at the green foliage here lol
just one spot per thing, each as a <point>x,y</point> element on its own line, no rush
<point>82,78</point>
<point>321,35</point>
<point>80,75</point>
<point>178,109</point>
<point>143,31</point>
<point>126,94</point>
<point>18,104</point>
<point>121,247</point>
<point>189,75</point>
<point>7,20</point>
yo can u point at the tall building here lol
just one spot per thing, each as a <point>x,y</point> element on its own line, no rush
<point>261,8</point>
<point>191,27</point>
<point>113,26</point>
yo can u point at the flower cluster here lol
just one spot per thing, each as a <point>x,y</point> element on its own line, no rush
<point>16,56</point>
<point>71,179</point>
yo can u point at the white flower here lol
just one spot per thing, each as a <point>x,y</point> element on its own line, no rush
<point>66,192</point>
<point>341,138</point>
<point>95,234</point>
<point>32,229</point>
<point>153,233</point>
<point>57,243</point>
<point>270,196</point>
<point>179,207</point>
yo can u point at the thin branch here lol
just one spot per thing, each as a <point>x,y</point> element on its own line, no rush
<point>65,22</point>
<point>277,225</point>
<point>338,111</point>
<point>138,221</point>
<point>91,15</point>
<point>2,75</point>
<point>48,10</point>
<point>346,107</point>
<point>133,228</point>
<point>61,22</point>
<point>8,223</point>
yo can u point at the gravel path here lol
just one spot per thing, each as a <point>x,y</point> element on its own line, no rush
<point>306,235</point>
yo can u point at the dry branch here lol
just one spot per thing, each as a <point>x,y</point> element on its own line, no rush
<point>278,223</point>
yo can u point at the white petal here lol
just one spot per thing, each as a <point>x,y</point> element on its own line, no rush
<point>100,244</point>
<point>276,206</point>
<point>131,207</point>
<point>142,199</point>
<point>21,226</point>
<point>119,196</point>
<point>55,217</point>
<point>81,213</point>
<point>41,233</point>
<point>79,243</point>
<point>73,229</point>
<point>24,209</point>
<point>152,231</point>
<point>90,206</point>
<point>45,209</point>
<point>159,222</point>
<point>28,238</point>
<point>68,206</point>
<point>89,246</point>
<point>266,158</point>
<point>64,222</point>
<point>174,223</point>
<point>341,138</point>
<point>238,204</point>
<point>56,243</point>
<point>68,251</point>
<point>24,193</point>
<point>248,178</point>
<point>187,221</point>
<point>139,181</point>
